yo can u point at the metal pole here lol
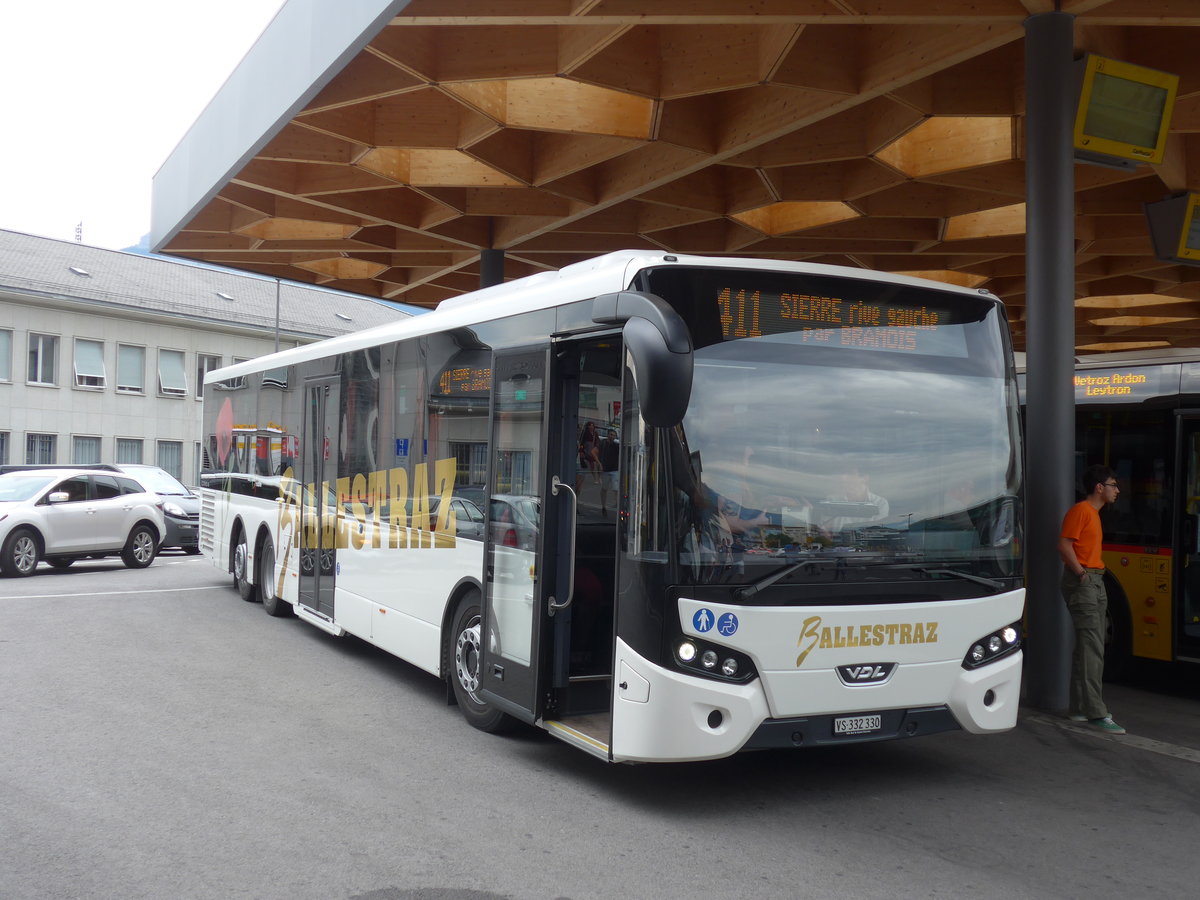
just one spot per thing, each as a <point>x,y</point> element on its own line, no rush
<point>277,288</point>
<point>1050,100</point>
<point>491,267</point>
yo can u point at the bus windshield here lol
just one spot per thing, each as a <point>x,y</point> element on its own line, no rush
<point>874,452</point>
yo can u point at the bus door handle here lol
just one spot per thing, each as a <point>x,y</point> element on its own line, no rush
<point>555,486</point>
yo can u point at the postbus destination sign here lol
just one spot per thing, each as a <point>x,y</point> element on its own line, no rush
<point>1125,385</point>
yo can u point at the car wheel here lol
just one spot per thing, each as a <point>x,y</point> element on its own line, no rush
<point>20,554</point>
<point>141,548</point>
<point>241,570</point>
<point>61,562</point>
<point>464,652</point>
<point>271,601</point>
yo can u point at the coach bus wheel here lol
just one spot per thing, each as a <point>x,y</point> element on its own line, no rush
<point>272,602</point>
<point>464,650</point>
<point>20,554</point>
<point>1119,662</point>
<point>241,570</point>
<point>141,548</point>
<point>1118,653</point>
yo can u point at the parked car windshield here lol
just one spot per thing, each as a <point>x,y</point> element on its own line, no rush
<point>159,481</point>
<point>22,487</point>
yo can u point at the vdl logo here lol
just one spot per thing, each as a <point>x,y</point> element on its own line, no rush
<point>866,673</point>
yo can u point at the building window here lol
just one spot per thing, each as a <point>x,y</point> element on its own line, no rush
<point>470,462</point>
<point>129,451</point>
<point>131,369</point>
<point>171,378</point>
<point>3,448</point>
<point>43,359</point>
<point>276,377</point>
<point>89,364</point>
<point>233,384</point>
<point>85,451</point>
<point>170,457</point>
<point>41,449</point>
<point>5,355</point>
<point>205,363</point>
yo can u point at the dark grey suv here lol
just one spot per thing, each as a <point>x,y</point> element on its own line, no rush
<point>181,508</point>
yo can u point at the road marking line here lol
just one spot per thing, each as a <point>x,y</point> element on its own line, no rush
<point>1188,754</point>
<point>214,587</point>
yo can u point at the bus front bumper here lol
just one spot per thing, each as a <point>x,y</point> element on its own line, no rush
<point>661,715</point>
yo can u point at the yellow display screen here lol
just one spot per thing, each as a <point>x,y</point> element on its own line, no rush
<point>465,380</point>
<point>1123,385</point>
<point>837,320</point>
<point>1124,109</point>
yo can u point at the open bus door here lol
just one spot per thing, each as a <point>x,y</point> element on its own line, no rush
<point>546,650</point>
<point>514,634</point>
<point>550,574</point>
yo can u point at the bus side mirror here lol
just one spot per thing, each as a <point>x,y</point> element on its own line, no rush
<point>661,347</point>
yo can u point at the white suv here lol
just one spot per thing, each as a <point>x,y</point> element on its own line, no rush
<point>61,515</point>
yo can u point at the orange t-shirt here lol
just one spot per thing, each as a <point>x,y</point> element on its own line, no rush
<point>1082,527</point>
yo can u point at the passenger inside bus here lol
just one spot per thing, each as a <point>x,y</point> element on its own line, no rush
<point>853,504</point>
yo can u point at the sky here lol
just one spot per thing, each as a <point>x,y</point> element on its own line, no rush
<point>96,94</point>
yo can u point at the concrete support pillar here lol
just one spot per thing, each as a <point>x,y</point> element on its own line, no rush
<point>1050,100</point>
<point>491,267</point>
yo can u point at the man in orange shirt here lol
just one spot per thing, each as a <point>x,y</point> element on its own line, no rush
<point>1079,545</point>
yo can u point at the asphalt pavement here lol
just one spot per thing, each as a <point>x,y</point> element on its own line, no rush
<point>164,739</point>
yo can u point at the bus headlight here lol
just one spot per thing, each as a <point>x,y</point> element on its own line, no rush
<point>697,657</point>
<point>993,646</point>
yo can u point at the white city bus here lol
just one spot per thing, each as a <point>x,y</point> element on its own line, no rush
<point>811,537</point>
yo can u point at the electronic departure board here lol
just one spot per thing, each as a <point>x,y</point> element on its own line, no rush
<point>831,320</point>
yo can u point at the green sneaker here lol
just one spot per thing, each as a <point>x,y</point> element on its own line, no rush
<point>1106,724</point>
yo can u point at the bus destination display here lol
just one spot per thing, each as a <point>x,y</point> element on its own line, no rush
<point>465,380</point>
<point>829,321</point>
<point>1123,385</point>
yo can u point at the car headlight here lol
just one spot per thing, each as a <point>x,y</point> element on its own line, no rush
<point>174,509</point>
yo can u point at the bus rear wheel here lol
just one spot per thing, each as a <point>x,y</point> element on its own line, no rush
<point>271,601</point>
<point>464,652</point>
<point>241,570</point>
<point>1118,643</point>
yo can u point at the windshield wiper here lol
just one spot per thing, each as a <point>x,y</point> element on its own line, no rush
<point>747,591</point>
<point>966,576</point>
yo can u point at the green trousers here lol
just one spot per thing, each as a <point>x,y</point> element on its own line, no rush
<point>1088,603</point>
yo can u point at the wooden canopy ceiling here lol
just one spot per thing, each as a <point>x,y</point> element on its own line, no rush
<point>884,134</point>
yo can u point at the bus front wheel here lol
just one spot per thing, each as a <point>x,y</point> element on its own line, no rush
<point>464,651</point>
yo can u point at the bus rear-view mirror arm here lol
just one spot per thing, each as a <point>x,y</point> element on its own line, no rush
<point>661,347</point>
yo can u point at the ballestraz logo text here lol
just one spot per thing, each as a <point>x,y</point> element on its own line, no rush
<point>813,636</point>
